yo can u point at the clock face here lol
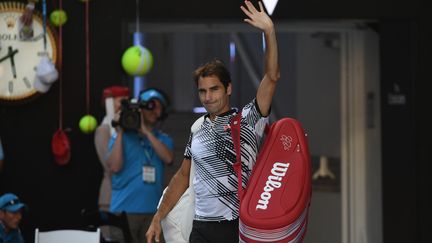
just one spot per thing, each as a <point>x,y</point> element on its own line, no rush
<point>19,58</point>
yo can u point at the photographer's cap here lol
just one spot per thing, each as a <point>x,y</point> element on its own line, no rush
<point>115,91</point>
<point>11,203</point>
<point>150,94</point>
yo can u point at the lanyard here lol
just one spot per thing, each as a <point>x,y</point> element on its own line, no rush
<point>147,155</point>
<point>147,147</point>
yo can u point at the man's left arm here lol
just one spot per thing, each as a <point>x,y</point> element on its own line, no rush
<point>262,21</point>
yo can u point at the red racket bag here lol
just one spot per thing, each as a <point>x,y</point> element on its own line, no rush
<point>274,207</point>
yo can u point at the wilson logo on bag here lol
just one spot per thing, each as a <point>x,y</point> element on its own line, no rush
<point>273,182</point>
<point>274,207</point>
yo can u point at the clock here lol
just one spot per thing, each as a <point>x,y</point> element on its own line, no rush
<point>19,58</point>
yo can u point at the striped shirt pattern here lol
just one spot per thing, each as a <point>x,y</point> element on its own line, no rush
<point>212,150</point>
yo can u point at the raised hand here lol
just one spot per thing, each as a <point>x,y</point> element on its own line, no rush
<point>267,87</point>
<point>258,19</point>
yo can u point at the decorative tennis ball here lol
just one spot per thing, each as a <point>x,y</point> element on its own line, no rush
<point>87,124</point>
<point>58,17</point>
<point>137,60</point>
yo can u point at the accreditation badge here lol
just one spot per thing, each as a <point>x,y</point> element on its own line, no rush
<point>149,174</point>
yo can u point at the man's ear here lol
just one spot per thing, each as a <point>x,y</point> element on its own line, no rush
<point>2,213</point>
<point>229,89</point>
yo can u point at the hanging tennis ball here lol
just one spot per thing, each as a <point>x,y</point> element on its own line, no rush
<point>87,124</point>
<point>58,17</point>
<point>137,60</point>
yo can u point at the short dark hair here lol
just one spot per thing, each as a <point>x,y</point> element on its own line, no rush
<point>214,67</point>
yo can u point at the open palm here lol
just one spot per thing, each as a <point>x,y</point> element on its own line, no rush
<point>259,19</point>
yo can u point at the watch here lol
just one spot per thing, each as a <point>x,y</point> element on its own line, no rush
<point>19,58</point>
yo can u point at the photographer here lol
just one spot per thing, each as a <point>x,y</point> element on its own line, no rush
<point>136,157</point>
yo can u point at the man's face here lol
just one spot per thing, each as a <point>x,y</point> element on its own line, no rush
<point>151,116</point>
<point>213,95</point>
<point>10,220</point>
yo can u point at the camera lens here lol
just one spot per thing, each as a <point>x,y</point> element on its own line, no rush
<point>130,116</point>
<point>130,119</point>
<point>149,105</point>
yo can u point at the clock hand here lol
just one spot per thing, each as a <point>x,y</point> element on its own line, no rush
<point>12,61</point>
<point>9,55</point>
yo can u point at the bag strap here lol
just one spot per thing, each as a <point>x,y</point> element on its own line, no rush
<point>235,134</point>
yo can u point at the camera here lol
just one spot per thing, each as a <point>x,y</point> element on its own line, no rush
<point>130,115</point>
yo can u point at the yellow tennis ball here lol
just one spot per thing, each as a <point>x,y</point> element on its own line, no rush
<point>137,60</point>
<point>88,124</point>
<point>58,17</point>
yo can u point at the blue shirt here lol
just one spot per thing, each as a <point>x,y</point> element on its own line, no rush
<point>14,236</point>
<point>129,192</point>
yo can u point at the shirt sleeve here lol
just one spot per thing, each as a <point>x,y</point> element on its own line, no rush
<point>167,140</point>
<point>187,154</point>
<point>251,115</point>
<point>112,141</point>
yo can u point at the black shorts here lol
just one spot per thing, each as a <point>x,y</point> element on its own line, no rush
<point>225,231</point>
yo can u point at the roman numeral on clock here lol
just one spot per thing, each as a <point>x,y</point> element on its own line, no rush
<point>11,86</point>
<point>27,83</point>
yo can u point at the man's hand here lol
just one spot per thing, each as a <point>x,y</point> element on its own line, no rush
<point>116,120</point>
<point>258,19</point>
<point>154,231</point>
<point>143,128</point>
